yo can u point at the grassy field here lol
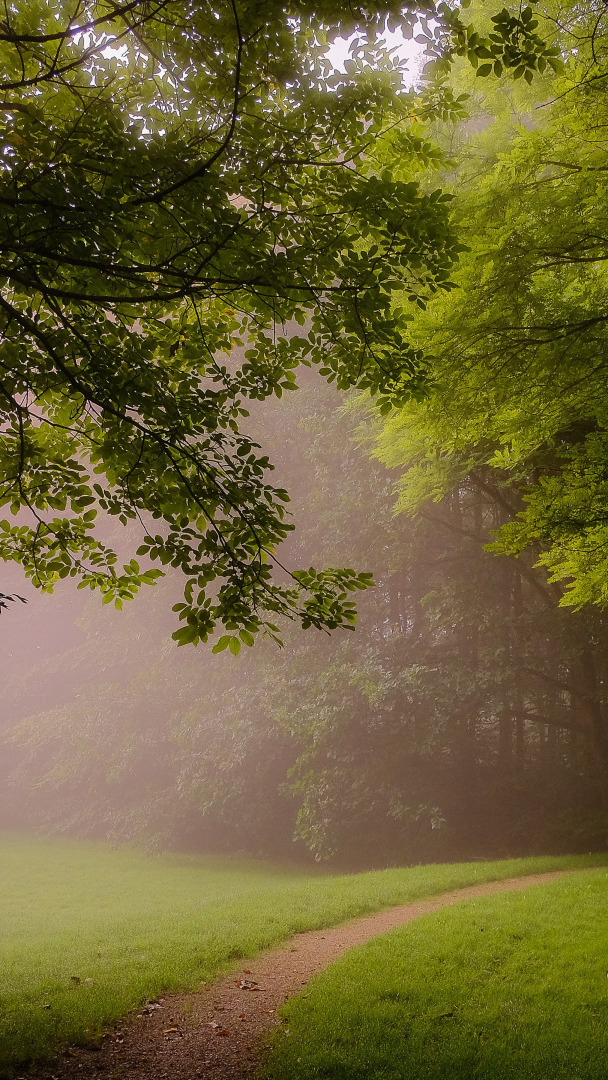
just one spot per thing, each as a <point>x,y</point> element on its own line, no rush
<point>89,932</point>
<point>511,987</point>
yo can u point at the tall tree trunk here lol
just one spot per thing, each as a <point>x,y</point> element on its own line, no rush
<point>590,715</point>
<point>518,696</point>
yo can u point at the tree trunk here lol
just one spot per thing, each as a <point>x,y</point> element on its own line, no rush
<point>591,718</point>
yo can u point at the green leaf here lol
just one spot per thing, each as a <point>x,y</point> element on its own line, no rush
<point>186,635</point>
<point>222,644</point>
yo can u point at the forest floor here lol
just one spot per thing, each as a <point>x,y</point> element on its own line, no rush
<point>221,1033</point>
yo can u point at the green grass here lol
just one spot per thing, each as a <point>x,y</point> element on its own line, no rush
<point>508,987</point>
<point>130,927</point>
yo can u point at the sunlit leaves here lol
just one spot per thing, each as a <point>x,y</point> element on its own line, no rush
<point>519,348</point>
<point>170,209</point>
<point>179,187</point>
<point>512,45</point>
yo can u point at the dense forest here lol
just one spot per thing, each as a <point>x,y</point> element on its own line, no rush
<point>466,714</point>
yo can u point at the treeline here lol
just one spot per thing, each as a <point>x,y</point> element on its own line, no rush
<point>467,715</point>
<point>459,720</point>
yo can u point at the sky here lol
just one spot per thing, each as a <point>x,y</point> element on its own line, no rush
<point>406,49</point>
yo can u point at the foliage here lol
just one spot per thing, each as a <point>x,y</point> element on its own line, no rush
<point>182,184</point>
<point>468,714</point>
<point>459,721</point>
<point>509,44</point>
<point>511,986</point>
<point>519,348</point>
<point>11,598</point>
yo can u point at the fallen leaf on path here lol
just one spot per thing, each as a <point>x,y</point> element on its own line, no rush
<point>218,1028</point>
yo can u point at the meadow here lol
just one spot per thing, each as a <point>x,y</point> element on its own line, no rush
<point>89,932</point>
<point>512,986</point>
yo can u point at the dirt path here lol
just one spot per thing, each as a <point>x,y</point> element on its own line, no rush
<point>219,1033</point>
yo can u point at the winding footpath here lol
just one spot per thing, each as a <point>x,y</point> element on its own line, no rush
<point>221,1032</point>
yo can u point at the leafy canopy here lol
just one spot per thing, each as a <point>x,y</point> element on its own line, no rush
<point>519,347</point>
<point>183,186</point>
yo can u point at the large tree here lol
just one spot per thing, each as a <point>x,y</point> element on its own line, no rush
<point>182,184</point>
<point>519,348</point>
<point>518,407</point>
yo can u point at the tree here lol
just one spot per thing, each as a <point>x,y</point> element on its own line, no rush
<point>453,723</point>
<point>180,188</point>
<point>520,346</point>
<point>518,406</point>
<point>182,184</point>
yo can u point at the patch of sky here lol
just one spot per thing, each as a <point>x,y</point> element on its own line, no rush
<point>404,50</point>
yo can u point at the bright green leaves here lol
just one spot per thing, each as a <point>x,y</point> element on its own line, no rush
<point>512,45</point>
<point>230,641</point>
<point>168,213</point>
<point>327,593</point>
<point>519,349</point>
<point>567,514</point>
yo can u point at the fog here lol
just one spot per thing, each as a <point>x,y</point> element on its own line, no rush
<point>418,737</point>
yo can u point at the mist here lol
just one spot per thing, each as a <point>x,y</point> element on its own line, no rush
<point>462,463</point>
<point>439,729</point>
